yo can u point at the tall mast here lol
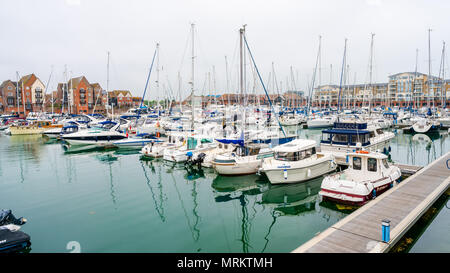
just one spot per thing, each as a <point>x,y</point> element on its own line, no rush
<point>370,73</point>
<point>314,77</point>
<point>157,78</point>
<point>415,78</point>
<point>342,75</point>
<point>46,87</point>
<point>17,91</point>
<point>320,66</point>
<point>429,67</point>
<point>443,93</point>
<point>192,77</point>
<point>107,85</point>
<point>241,71</point>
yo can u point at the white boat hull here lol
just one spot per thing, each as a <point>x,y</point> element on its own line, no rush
<point>289,173</point>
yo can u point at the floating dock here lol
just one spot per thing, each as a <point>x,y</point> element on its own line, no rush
<point>402,205</point>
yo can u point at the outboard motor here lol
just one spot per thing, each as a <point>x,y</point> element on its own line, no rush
<point>11,239</point>
<point>195,161</point>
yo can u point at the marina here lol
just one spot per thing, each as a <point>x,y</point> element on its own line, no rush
<point>222,127</point>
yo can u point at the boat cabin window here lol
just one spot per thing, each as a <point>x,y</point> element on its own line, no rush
<point>108,126</point>
<point>359,138</point>
<point>372,164</point>
<point>325,136</point>
<point>372,134</point>
<point>380,131</point>
<point>385,163</point>
<point>357,163</point>
<point>295,156</point>
<point>340,138</point>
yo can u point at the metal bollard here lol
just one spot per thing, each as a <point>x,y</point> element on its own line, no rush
<point>386,230</point>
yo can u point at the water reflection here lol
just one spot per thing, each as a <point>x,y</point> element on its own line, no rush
<point>158,200</point>
<point>293,199</point>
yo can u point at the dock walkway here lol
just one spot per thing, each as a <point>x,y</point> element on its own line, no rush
<point>403,205</point>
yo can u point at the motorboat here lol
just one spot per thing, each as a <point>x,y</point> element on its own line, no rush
<point>297,161</point>
<point>137,141</point>
<point>11,238</point>
<point>369,174</point>
<point>193,144</point>
<point>425,126</point>
<point>350,136</point>
<point>68,127</point>
<point>244,159</point>
<point>33,127</point>
<point>156,149</point>
<point>205,158</point>
<point>104,134</point>
<point>321,122</point>
<point>291,120</point>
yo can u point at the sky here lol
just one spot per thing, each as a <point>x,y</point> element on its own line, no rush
<point>49,35</point>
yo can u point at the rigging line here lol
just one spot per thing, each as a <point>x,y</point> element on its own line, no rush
<point>264,87</point>
<point>148,77</point>
<point>184,52</point>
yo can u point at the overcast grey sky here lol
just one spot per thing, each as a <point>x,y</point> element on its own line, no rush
<point>37,35</point>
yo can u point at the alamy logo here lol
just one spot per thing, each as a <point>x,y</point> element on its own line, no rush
<point>74,246</point>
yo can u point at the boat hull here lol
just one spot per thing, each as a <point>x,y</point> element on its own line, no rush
<point>291,174</point>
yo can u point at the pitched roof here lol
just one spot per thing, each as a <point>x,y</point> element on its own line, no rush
<point>26,79</point>
<point>75,81</point>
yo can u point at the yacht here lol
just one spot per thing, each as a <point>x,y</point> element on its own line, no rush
<point>156,149</point>
<point>104,134</point>
<point>423,126</point>
<point>206,157</point>
<point>350,136</point>
<point>369,174</point>
<point>33,127</point>
<point>290,120</point>
<point>137,141</point>
<point>297,161</point>
<point>321,122</point>
<point>244,159</point>
<point>192,144</point>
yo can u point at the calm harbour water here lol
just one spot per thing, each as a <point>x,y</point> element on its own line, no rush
<point>112,201</point>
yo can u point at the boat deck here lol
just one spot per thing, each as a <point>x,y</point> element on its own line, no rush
<point>403,205</point>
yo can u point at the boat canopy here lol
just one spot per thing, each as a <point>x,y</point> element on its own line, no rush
<point>295,146</point>
<point>231,141</point>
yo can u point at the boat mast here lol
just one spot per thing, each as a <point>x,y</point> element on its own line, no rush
<point>228,81</point>
<point>342,75</point>
<point>443,75</point>
<point>157,79</point>
<point>241,70</point>
<point>370,73</point>
<point>107,85</point>
<point>314,77</point>
<point>414,81</point>
<point>192,77</point>
<point>17,91</point>
<point>46,87</point>
<point>429,68</point>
